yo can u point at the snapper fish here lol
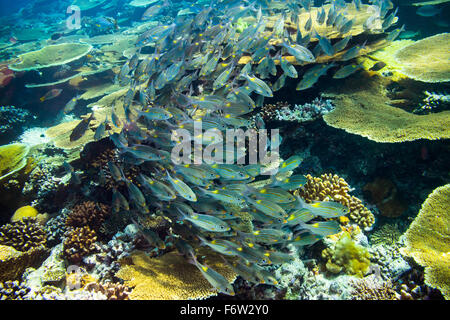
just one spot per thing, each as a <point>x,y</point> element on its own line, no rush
<point>81,128</point>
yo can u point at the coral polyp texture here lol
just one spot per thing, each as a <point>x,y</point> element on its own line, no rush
<point>428,239</point>
<point>23,235</point>
<point>169,277</point>
<point>329,187</point>
<point>427,59</point>
<point>88,213</point>
<point>79,242</point>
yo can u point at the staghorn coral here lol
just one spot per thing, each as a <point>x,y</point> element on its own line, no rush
<point>13,290</point>
<point>428,239</point>
<point>88,213</point>
<point>269,110</point>
<point>330,187</point>
<point>427,59</point>
<point>368,289</point>
<point>79,243</point>
<point>169,277</point>
<point>363,108</point>
<point>23,235</point>
<point>347,256</point>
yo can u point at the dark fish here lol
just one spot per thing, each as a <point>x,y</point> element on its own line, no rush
<point>81,128</point>
<point>378,66</point>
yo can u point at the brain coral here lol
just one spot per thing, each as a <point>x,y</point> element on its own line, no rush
<point>428,239</point>
<point>427,60</point>
<point>50,56</point>
<point>170,277</point>
<point>365,110</point>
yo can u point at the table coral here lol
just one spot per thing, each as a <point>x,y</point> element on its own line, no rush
<point>330,187</point>
<point>428,239</point>
<point>363,108</point>
<point>13,157</point>
<point>427,59</point>
<point>51,56</point>
<point>169,277</point>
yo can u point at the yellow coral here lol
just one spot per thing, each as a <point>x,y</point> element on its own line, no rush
<point>365,110</point>
<point>13,157</point>
<point>24,212</point>
<point>347,256</point>
<point>170,277</point>
<point>428,239</point>
<point>13,263</point>
<point>330,187</point>
<point>50,56</point>
<point>427,60</point>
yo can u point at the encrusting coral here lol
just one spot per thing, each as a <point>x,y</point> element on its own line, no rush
<point>330,187</point>
<point>23,235</point>
<point>169,277</point>
<point>373,290</point>
<point>13,263</point>
<point>79,243</point>
<point>428,239</point>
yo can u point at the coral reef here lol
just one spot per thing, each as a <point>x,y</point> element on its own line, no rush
<point>373,289</point>
<point>428,239</point>
<point>112,291</point>
<point>23,235</point>
<point>13,120</point>
<point>50,56</point>
<point>427,59</point>
<point>365,110</point>
<point>88,213</point>
<point>13,263</point>
<point>329,187</point>
<point>387,234</point>
<point>347,256</point>
<point>13,290</point>
<point>13,158</point>
<point>79,242</point>
<point>24,212</point>
<point>306,112</point>
<point>168,277</point>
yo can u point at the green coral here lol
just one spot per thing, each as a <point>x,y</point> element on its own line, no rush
<point>347,256</point>
<point>13,157</point>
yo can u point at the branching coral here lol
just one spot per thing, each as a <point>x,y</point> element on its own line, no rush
<point>88,213</point>
<point>330,187</point>
<point>428,239</point>
<point>347,256</point>
<point>79,243</point>
<point>373,290</point>
<point>13,290</point>
<point>112,291</point>
<point>23,235</point>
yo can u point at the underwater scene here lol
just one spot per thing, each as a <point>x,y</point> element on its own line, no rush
<point>224,150</point>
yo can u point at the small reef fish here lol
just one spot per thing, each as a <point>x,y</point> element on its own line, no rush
<point>81,128</point>
<point>347,70</point>
<point>70,106</point>
<point>428,11</point>
<point>51,95</point>
<point>378,66</point>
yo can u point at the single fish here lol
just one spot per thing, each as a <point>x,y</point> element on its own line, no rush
<point>182,188</point>
<point>51,95</point>
<point>428,11</point>
<point>70,105</point>
<point>81,128</point>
